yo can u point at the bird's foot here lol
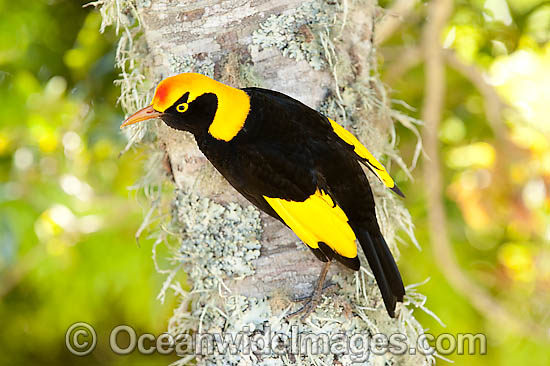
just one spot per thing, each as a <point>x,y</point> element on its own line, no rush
<point>307,298</point>
<point>311,302</point>
<point>306,310</point>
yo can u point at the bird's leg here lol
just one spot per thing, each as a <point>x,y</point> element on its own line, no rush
<point>308,308</point>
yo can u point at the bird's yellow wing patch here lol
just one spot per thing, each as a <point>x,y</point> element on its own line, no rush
<point>318,219</point>
<point>365,154</point>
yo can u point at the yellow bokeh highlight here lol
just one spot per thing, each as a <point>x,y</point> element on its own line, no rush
<point>4,143</point>
<point>75,58</point>
<point>523,78</point>
<point>466,41</point>
<point>56,246</point>
<point>48,142</point>
<point>518,260</point>
<point>45,227</point>
<point>478,154</point>
<point>529,138</point>
<point>43,133</point>
<point>517,173</point>
<point>475,215</point>
<point>465,190</point>
<point>452,130</point>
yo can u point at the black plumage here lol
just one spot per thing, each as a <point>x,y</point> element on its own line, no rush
<point>288,151</point>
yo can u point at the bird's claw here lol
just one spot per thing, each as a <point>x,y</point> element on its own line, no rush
<point>307,298</point>
<point>311,302</point>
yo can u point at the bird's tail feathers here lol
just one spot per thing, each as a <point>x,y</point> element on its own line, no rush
<point>383,267</point>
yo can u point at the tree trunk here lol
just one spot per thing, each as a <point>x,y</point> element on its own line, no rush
<point>244,267</point>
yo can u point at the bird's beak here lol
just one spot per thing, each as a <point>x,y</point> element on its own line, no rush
<point>142,115</point>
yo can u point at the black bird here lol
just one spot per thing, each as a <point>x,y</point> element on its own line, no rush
<point>290,161</point>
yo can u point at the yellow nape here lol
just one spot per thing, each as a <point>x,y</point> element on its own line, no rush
<point>233,103</point>
<point>365,154</point>
<point>318,219</point>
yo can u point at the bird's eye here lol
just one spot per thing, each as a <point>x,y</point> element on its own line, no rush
<point>182,107</point>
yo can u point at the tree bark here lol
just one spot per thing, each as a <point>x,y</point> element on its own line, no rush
<point>243,266</point>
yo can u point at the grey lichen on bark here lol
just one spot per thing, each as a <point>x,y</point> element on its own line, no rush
<point>244,267</point>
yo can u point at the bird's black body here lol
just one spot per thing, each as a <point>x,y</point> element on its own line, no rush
<point>288,150</point>
<point>291,162</point>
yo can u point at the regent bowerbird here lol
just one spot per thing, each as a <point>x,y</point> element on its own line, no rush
<point>290,161</point>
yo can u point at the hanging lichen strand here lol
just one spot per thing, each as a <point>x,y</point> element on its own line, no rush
<point>217,239</point>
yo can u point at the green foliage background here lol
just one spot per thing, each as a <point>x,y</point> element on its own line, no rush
<point>68,219</point>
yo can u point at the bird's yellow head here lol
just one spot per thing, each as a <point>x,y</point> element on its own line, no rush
<point>194,102</point>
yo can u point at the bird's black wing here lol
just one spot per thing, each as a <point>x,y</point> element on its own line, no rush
<point>321,127</point>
